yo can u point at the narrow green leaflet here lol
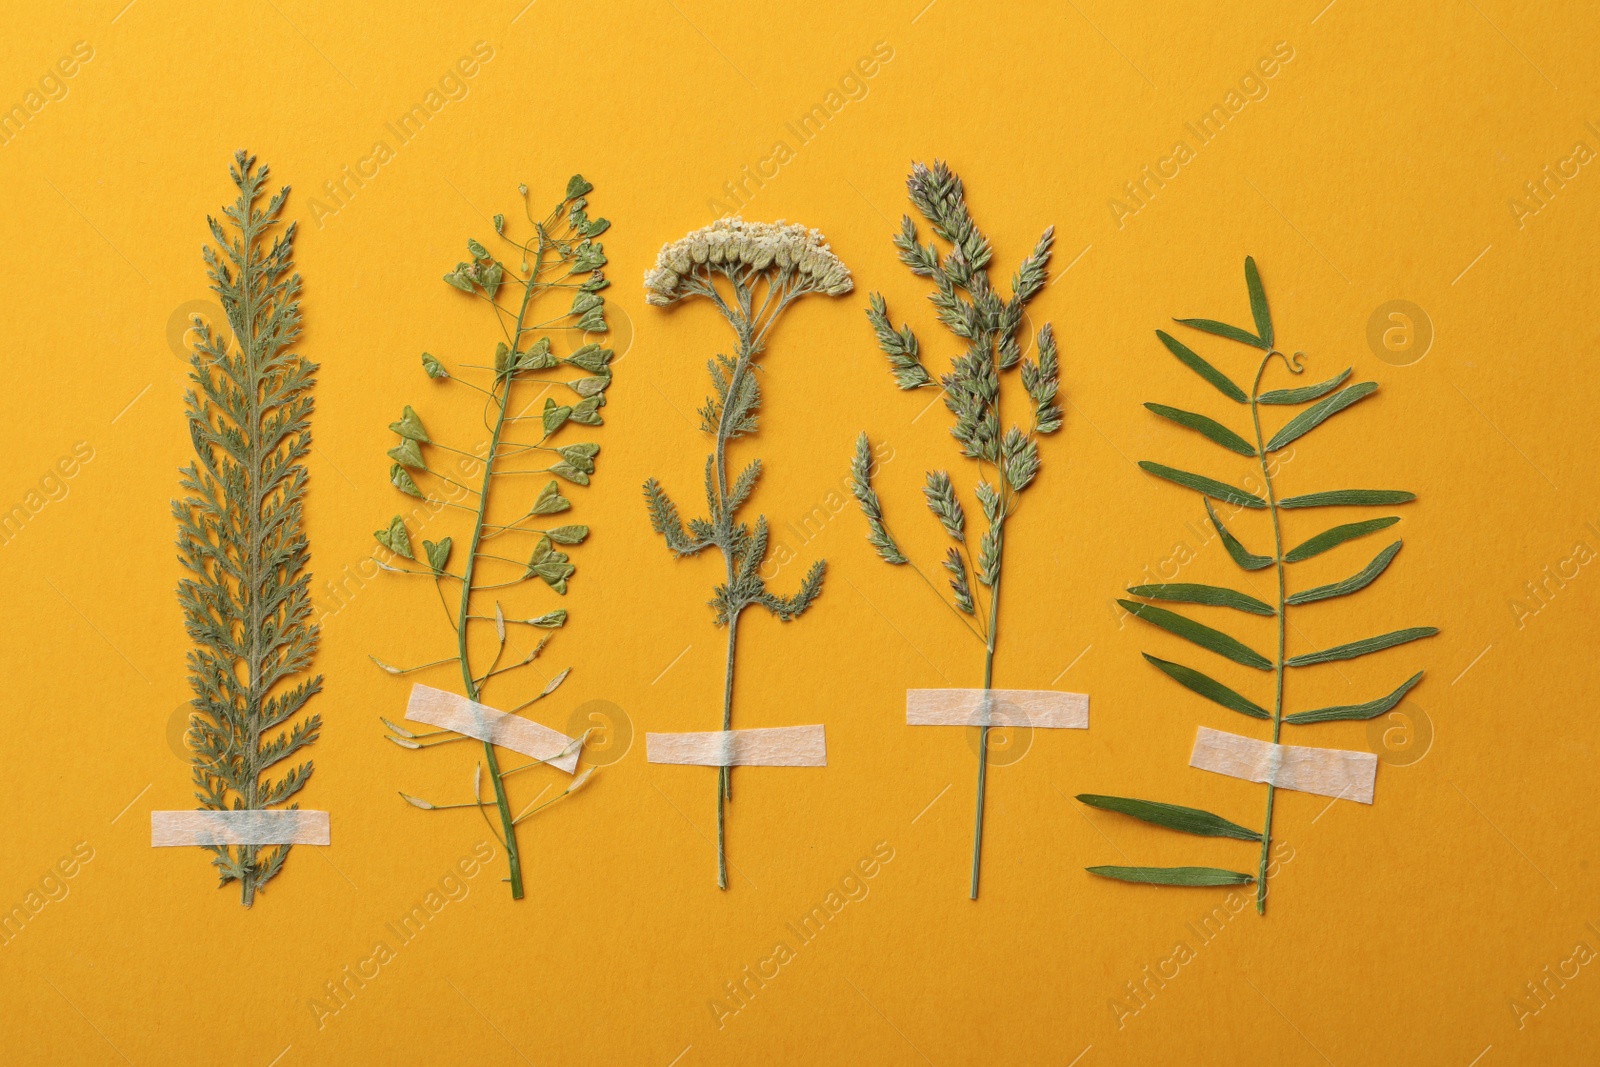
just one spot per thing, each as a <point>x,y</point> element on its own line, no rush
<point>1173,875</point>
<point>1337,536</point>
<point>1354,583</point>
<point>1305,392</point>
<point>1222,329</point>
<point>1209,688</point>
<point>1370,710</point>
<point>1202,635</point>
<point>1171,816</point>
<point>1214,595</point>
<point>1258,302</point>
<point>1362,647</point>
<point>1241,555</point>
<point>1201,484</point>
<point>1318,413</point>
<point>1189,358</point>
<point>1208,426</point>
<point>1349,498</point>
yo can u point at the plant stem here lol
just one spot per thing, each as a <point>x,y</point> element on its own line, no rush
<point>725,542</point>
<point>254,566</point>
<point>724,779</point>
<point>1277,553</point>
<point>983,731</point>
<point>513,855</point>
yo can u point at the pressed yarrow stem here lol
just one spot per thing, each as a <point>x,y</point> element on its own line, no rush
<point>551,262</point>
<point>970,307</point>
<point>750,272</point>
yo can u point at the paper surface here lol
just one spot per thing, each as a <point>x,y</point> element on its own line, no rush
<point>1044,708</point>
<point>436,707</point>
<point>1328,772</point>
<point>777,746</point>
<point>169,829</point>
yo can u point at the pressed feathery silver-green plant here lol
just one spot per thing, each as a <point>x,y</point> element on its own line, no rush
<point>241,531</point>
<point>547,265</point>
<point>1008,461</point>
<point>763,267</point>
<point>1330,399</point>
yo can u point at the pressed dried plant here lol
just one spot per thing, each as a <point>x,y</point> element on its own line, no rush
<point>241,531</point>
<point>967,303</point>
<point>1326,399</point>
<point>751,272</point>
<point>559,262</point>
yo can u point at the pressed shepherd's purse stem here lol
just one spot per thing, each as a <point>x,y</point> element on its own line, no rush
<point>1277,552</point>
<point>491,760</point>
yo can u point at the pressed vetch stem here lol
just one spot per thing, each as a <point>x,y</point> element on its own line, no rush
<point>1277,554</point>
<point>513,855</point>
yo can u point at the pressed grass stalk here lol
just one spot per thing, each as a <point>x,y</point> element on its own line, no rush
<point>751,272</point>
<point>969,306</point>
<point>1330,397</point>
<point>241,532</point>
<point>550,285</point>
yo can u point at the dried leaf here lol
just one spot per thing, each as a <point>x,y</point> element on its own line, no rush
<point>1190,359</point>
<point>1317,414</point>
<point>1336,536</point>
<point>1214,595</point>
<point>1205,425</point>
<point>1349,498</point>
<point>1370,710</point>
<point>1305,392</point>
<point>1199,633</point>
<point>1187,876</point>
<point>1200,483</point>
<point>1358,581</point>
<point>1209,688</point>
<point>1172,817</point>
<point>1242,556</point>
<point>1362,647</point>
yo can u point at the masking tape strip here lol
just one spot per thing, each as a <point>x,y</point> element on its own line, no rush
<point>436,707</point>
<point>777,746</point>
<point>1328,772</point>
<point>170,829</point>
<point>1044,708</point>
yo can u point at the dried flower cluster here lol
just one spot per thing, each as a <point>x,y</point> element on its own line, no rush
<point>740,249</point>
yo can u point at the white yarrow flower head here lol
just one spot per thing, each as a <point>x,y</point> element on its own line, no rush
<point>789,258</point>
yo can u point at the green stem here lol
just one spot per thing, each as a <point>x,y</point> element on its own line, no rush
<point>251,585</point>
<point>502,802</point>
<point>1277,552</point>
<point>724,779</point>
<point>725,542</point>
<point>983,731</point>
